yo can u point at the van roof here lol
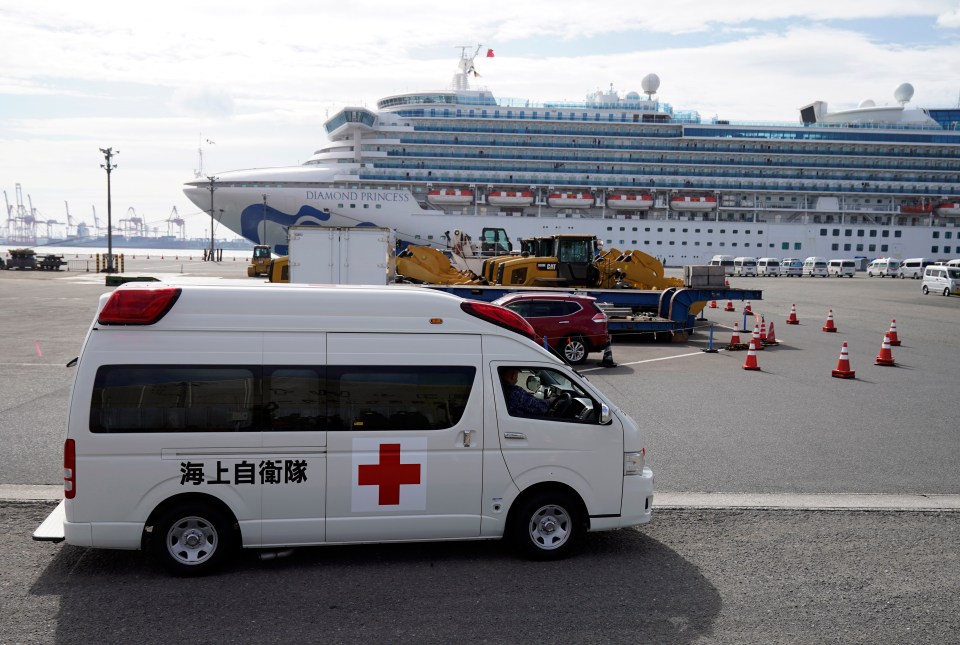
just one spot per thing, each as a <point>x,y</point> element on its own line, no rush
<point>296,307</point>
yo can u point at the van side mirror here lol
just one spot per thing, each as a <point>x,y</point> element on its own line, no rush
<point>604,414</point>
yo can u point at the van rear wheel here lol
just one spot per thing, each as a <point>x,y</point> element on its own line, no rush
<point>946,291</point>
<point>192,540</point>
<point>548,526</point>
<point>925,290</point>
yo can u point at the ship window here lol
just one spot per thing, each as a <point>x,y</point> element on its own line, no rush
<point>797,246</point>
<point>339,205</point>
<point>847,232</point>
<point>936,234</point>
<point>884,233</point>
<point>673,230</point>
<point>883,248</point>
<point>731,244</point>
<point>859,247</point>
<point>634,230</point>
<point>633,241</point>
<point>353,205</point>
<point>734,231</point>
<point>647,229</point>
<point>696,243</point>
<point>823,232</point>
<point>671,242</point>
<point>366,205</point>
<point>834,247</point>
<point>723,243</point>
<point>696,230</point>
<point>873,233</point>
<point>836,232</point>
<point>709,230</point>
<point>897,233</point>
<point>659,230</point>
<point>934,249</point>
<point>684,230</point>
<point>379,205</point>
<point>785,246</point>
<point>872,248</point>
<point>946,249</point>
<point>860,232</point>
<point>846,247</point>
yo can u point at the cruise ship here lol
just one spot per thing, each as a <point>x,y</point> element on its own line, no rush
<point>874,181</point>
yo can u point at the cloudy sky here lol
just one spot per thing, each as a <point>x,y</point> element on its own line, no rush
<point>153,81</point>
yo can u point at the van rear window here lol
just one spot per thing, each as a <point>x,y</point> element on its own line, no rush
<point>165,398</point>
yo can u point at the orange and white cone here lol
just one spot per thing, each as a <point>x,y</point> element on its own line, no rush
<point>830,326</point>
<point>713,304</point>
<point>747,310</point>
<point>843,365</point>
<point>729,306</point>
<point>772,336</point>
<point>755,338</point>
<point>792,319</point>
<point>763,332</point>
<point>751,362</point>
<point>885,357</point>
<point>735,338</point>
<point>892,334</point>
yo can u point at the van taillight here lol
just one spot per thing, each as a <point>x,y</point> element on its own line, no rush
<point>137,305</point>
<point>69,469</point>
<point>500,316</point>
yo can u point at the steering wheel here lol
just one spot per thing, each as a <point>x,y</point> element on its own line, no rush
<point>560,404</point>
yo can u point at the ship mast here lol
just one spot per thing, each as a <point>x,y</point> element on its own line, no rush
<point>461,80</point>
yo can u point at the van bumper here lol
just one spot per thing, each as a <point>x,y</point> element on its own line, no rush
<point>637,506</point>
<point>104,535</point>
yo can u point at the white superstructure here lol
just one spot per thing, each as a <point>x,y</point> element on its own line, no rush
<point>868,182</point>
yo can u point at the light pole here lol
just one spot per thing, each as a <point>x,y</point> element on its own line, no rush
<point>212,188</point>
<point>263,239</point>
<point>109,167</point>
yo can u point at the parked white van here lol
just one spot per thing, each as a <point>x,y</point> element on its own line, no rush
<point>267,416</point>
<point>768,266</point>
<point>841,268</point>
<point>943,279</point>
<point>913,267</point>
<point>725,261</point>
<point>791,267</point>
<point>882,267</point>
<point>814,267</point>
<point>745,266</point>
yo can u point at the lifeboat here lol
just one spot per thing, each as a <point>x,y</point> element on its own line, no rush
<point>948,208</point>
<point>450,196</point>
<point>693,203</point>
<point>509,198</point>
<point>570,200</point>
<point>916,208</point>
<point>628,201</point>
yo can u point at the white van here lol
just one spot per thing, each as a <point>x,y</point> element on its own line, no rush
<point>913,267</point>
<point>883,267</point>
<point>943,279</point>
<point>768,266</point>
<point>841,268</point>
<point>267,416</point>
<point>814,267</point>
<point>791,267</point>
<point>745,266</point>
<point>725,261</point>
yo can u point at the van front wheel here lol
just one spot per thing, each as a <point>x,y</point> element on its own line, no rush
<point>548,526</point>
<point>192,540</point>
<point>925,290</point>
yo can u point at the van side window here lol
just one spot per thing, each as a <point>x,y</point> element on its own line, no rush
<point>164,398</point>
<point>190,398</point>
<point>397,398</point>
<point>545,393</point>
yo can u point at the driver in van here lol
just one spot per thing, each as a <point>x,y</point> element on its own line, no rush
<point>519,401</point>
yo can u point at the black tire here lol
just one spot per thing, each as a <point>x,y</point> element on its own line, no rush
<point>575,350</point>
<point>193,539</point>
<point>946,291</point>
<point>548,526</point>
<point>925,290</point>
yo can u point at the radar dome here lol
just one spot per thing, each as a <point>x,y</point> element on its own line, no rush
<point>865,103</point>
<point>650,84</point>
<point>633,96</point>
<point>903,93</point>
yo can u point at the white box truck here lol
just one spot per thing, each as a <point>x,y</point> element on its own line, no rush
<point>333,255</point>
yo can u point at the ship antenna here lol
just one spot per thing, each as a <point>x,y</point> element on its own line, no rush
<point>461,80</point>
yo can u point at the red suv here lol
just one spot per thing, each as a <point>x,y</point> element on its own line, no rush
<point>574,325</point>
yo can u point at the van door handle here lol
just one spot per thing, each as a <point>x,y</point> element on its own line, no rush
<point>466,438</point>
<point>514,435</point>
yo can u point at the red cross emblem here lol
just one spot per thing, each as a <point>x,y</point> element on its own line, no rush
<point>389,474</point>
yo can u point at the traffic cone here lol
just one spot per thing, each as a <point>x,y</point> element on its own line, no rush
<point>793,320</point>
<point>751,362</point>
<point>885,357</point>
<point>755,337</point>
<point>772,336</point>
<point>726,282</point>
<point>713,304</point>
<point>830,326</point>
<point>892,334</point>
<point>763,332</point>
<point>729,306</point>
<point>747,310</point>
<point>843,365</point>
<point>608,356</point>
<point>735,337</point>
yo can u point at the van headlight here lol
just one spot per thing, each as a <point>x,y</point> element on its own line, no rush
<point>633,462</point>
